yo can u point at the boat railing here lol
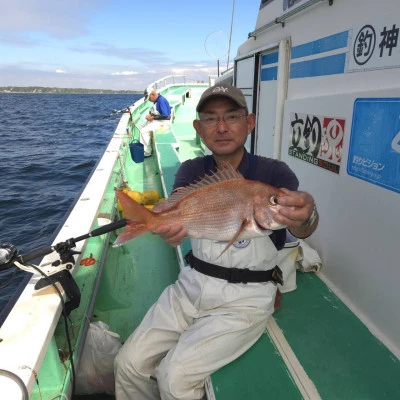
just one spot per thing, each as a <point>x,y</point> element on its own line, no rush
<point>212,79</point>
<point>178,80</point>
<point>228,71</point>
<point>168,80</point>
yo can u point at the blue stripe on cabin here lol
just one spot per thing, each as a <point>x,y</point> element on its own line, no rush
<point>329,43</point>
<point>321,66</point>
<point>270,58</point>
<point>269,74</point>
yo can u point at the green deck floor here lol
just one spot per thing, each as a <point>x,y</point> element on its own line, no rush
<point>137,277</point>
<point>136,274</point>
<point>260,373</point>
<point>340,355</point>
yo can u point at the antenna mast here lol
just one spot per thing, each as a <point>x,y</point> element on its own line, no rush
<point>230,35</point>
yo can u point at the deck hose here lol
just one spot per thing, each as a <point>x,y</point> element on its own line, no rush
<point>18,381</point>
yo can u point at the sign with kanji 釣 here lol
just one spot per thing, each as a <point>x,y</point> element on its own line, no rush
<point>317,140</point>
<point>375,45</point>
<point>374,153</point>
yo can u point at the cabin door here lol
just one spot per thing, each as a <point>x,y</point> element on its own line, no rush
<point>244,80</point>
<point>266,105</point>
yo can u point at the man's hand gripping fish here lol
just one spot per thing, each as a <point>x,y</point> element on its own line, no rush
<point>223,206</point>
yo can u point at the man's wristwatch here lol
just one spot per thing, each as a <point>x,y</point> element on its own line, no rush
<point>311,219</point>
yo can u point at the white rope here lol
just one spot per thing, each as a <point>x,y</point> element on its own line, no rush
<point>61,396</point>
<point>122,168</point>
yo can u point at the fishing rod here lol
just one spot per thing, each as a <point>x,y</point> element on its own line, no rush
<point>9,258</point>
<point>9,253</point>
<point>111,116</point>
<point>114,112</point>
<point>123,110</point>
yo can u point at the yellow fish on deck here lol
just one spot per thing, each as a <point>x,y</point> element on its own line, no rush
<point>223,206</point>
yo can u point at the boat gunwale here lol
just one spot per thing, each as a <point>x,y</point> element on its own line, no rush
<point>16,350</point>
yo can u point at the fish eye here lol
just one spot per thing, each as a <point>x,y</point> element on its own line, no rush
<point>273,200</point>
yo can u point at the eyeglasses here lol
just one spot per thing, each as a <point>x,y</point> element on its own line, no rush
<point>229,119</point>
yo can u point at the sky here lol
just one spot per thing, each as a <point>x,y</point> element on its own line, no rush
<point>118,44</point>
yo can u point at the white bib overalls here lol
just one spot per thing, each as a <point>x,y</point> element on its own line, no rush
<point>150,127</point>
<point>198,325</point>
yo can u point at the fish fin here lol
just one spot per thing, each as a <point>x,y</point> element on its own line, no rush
<point>131,230</point>
<point>226,173</point>
<point>133,211</point>
<point>245,222</point>
<point>139,218</point>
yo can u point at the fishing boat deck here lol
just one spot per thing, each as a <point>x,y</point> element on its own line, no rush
<point>314,346</point>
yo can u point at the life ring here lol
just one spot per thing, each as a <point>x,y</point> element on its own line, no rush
<point>87,262</point>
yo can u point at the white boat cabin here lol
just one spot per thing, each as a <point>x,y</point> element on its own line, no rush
<point>323,78</point>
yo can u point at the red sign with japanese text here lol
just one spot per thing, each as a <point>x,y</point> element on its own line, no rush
<point>317,140</point>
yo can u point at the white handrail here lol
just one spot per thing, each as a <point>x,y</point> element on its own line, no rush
<point>167,80</point>
<point>173,80</point>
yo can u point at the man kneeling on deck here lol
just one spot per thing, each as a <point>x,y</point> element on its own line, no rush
<point>203,322</point>
<point>158,115</point>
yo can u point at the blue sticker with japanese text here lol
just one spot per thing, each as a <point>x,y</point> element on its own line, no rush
<point>374,153</point>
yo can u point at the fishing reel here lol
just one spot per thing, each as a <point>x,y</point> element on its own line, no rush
<point>9,258</point>
<point>8,252</point>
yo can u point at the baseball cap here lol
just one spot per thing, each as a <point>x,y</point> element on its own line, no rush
<point>147,92</point>
<point>222,90</point>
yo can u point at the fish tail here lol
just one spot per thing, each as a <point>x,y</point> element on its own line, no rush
<point>132,230</point>
<point>140,219</point>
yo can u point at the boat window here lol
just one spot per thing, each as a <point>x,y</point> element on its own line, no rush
<point>265,3</point>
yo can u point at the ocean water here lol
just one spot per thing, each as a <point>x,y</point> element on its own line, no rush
<point>49,144</point>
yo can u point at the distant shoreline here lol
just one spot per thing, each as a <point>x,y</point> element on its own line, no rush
<point>52,90</point>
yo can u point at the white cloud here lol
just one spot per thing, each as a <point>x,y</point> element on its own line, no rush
<point>134,54</point>
<point>57,19</point>
<point>98,76</point>
<point>124,73</point>
<point>60,71</point>
<point>178,70</point>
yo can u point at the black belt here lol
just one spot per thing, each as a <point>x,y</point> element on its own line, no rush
<point>234,275</point>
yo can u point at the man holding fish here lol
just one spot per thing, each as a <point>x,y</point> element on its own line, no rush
<point>230,206</point>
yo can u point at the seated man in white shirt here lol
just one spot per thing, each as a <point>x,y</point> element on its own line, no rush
<point>158,115</point>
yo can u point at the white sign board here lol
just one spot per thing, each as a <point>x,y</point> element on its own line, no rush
<point>375,45</point>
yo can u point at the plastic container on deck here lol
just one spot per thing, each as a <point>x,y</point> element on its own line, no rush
<point>137,152</point>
